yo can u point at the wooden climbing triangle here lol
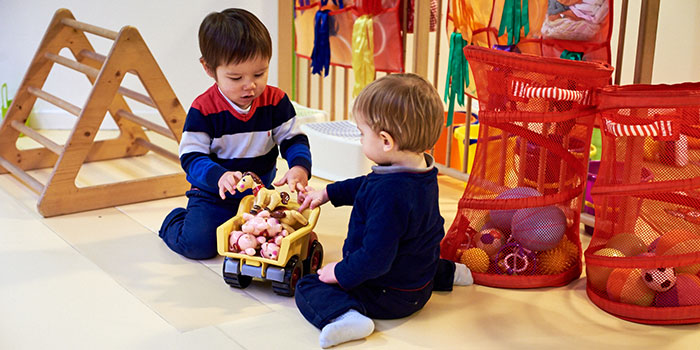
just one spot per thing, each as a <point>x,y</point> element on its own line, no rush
<point>128,54</point>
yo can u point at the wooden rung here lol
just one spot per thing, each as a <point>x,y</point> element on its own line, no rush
<point>157,149</point>
<point>105,33</point>
<point>97,57</point>
<point>92,55</point>
<point>93,72</point>
<point>43,140</point>
<point>63,104</point>
<point>145,123</point>
<point>136,96</point>
<point>22,175</point>
<point>83,68</point>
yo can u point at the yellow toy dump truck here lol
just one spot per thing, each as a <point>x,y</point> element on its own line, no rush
<point>300,253</point>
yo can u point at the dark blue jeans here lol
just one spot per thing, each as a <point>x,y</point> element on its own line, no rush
<point>320,303</point>
<point>191,232</point>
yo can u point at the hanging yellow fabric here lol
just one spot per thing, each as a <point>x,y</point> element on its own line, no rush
<point>362,52</point>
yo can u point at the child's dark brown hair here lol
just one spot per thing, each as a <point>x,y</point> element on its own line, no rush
<point>233,36</point>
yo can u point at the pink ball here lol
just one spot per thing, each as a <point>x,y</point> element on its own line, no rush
<point>501,219</point>
<point>539,228</point>
<point>686,292</point>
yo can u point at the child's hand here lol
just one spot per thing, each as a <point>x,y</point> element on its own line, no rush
<point>326,274</point>
<point>296,178</point>
<point>310,198</point>
<point>228,181</point>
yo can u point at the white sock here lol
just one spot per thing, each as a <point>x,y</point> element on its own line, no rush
<point>349,326</point>
<point>463,276</point>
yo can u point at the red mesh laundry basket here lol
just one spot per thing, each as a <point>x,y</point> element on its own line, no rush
<point>644,257</point>
<point>517,224</point>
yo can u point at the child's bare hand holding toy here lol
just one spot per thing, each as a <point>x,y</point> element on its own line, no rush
<point>228,181</point>
<point>310,198</point>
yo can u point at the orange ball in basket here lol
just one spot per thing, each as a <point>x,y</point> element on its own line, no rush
<point>627,286</point>
<point>685,292</point>
<point>476,259</point>
<point>677,242</point>
<point>598,275</point>
<point>538,228</point>
<point>558,259</point>
<point>627,243</point>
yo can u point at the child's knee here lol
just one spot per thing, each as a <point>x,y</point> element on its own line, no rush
<point>199,253</point>
<point>200,249</point>
<point>307,282</point>
<point>174,220</point>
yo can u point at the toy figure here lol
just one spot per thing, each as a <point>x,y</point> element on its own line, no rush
<point>265,199</point>
<point>266,231</point>
<point>241,242</point>
<point>269,250</point>
<point>291,220</point>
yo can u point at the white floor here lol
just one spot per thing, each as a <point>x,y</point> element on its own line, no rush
<point>103,279</point>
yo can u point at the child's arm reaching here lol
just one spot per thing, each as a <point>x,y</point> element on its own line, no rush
<point>310,198</point>
<point>296,178</point>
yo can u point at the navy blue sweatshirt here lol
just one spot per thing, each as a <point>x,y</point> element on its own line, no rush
<point>395,227</point>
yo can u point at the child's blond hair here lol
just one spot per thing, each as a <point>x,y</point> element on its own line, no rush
<point>404,105</point>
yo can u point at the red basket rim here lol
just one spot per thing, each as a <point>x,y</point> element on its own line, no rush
<point>528,281</point>
<point>646,314</point>
<point>546,65</point>
<point>649,96</point>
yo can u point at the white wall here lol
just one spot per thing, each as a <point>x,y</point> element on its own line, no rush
<point>677,50</point>
<point>168,27</point>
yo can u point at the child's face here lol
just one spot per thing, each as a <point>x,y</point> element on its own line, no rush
<point>373,144</point>
<point>242,82</point>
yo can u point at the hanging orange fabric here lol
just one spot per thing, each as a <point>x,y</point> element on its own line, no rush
<point>470,18</point>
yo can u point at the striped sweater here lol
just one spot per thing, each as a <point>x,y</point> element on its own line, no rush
<point>218,138</point>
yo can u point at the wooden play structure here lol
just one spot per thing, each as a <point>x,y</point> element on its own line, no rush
<point>128,54</point>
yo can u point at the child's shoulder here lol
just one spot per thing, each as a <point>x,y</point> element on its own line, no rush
<point>210,101</point>
<point>271,96</point>
<point>401,186</point>
<point>390,185</point>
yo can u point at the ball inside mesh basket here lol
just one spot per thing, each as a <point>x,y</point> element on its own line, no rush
<point>539,228</point>
<point>502,219</point>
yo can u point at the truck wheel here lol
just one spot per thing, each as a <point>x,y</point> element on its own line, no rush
<point>292,273</point>
<point>232,276</point>
<point>314,259</point>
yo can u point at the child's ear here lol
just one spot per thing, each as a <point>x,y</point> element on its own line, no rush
<point>387,141</point>
<point>207,69</point>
